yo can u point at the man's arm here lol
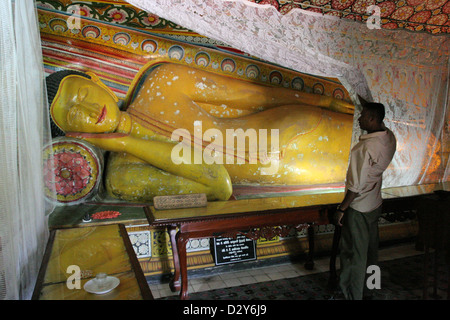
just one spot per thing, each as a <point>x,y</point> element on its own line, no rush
<point>357,174</point>
<point>348,199</point>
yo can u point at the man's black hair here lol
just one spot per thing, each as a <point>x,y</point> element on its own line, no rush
<point>376,110</point>
<point>52,82</point>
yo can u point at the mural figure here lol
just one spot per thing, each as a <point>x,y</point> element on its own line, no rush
<point>311,146</point>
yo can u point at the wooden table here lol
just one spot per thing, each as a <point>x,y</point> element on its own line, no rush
<point>92,249</point>
<point>254,218</point>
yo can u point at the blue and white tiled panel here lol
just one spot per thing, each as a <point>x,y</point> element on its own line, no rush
<point>141,242</point>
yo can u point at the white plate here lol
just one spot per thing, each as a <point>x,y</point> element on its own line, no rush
<point>110,283</point>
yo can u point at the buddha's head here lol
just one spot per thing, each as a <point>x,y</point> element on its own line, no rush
<point>80,102</point>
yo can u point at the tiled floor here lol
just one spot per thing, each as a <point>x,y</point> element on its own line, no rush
<point>273,272</point>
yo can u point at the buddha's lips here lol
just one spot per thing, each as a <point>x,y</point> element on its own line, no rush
<point>102,115</point>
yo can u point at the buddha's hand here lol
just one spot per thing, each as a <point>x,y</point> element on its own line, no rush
<point>115,142</point>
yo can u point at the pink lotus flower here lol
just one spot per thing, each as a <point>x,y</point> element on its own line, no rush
<point>118,15</point>
<point>71,173</point>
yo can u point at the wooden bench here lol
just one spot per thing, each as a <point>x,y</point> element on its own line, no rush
<point>93,250</point>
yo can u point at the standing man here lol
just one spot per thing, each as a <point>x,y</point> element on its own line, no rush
<point>359,211</point>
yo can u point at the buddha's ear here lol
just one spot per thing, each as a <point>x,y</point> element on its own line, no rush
<point>97,80</point>
<point>82,93</point>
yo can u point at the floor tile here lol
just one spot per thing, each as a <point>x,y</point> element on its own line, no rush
<point>198,287</point>
<point>232,282</point>
<point>247,280</point>
<point>275,276</point>
<point>262,277</point>
<point>289,273</point>
<point>217,284</point>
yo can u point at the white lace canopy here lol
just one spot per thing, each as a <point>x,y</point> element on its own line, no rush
<point>23,223</point>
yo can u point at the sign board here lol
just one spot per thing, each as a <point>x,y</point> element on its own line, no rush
<point>180,201</point>
<point>230,250</point>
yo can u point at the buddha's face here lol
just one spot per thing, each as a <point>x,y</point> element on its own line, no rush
<point>85,105</point>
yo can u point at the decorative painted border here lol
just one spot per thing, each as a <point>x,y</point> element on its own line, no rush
<point>94,37</point>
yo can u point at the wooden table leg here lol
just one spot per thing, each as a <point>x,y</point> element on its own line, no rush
<point>425,273</point>
<point>309,265</point>
<point>181,246</point>
<point>174,284</point>
<point>448,273</point>
<point>333,280</point>
<point>435,279</point>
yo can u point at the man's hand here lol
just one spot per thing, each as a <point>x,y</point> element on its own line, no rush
<point>338,215</point>
<point>348,199</point>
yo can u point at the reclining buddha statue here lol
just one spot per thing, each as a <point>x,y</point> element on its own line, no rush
<point>178,134</point>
